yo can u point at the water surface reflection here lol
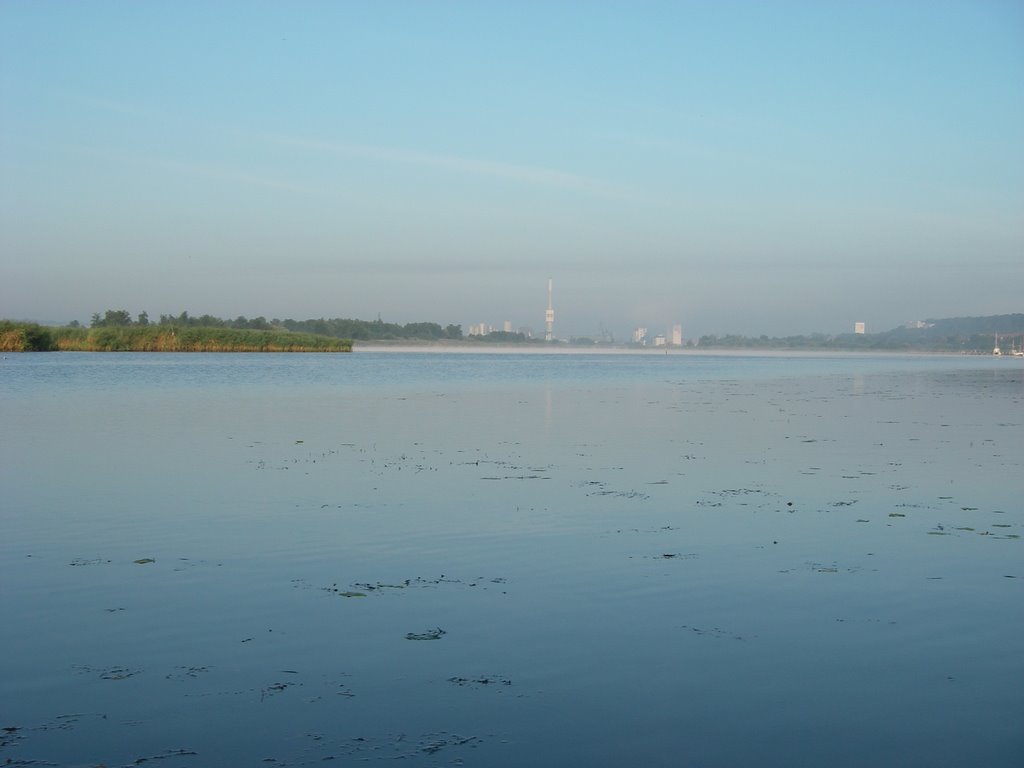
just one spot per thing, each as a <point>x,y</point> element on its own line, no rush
<point>509,560</point>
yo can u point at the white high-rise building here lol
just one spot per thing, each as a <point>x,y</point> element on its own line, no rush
<point>640,336</point>
<point>508,326</point>
<point>677,335</point>
<point>858,327</point>
<point>549,317</point>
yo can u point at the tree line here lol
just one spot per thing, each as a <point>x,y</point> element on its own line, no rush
<point>340,328</point>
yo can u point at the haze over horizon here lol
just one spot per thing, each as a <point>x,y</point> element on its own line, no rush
<point>734,167</point>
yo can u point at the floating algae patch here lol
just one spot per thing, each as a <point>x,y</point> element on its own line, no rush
<point>186,673</point>
<point>108,673</point>
<point>9,735</point>
<point>167,753</point>
<point>275,688</point>
<point>365,588</point>
<point>630,494</point>
<point>430,634</point>
<point>480,682</point>
<point>713,632</point>
<point>404,746</point>
<point>379,585</point>
<point>361,589</point>
<point>84,561</point>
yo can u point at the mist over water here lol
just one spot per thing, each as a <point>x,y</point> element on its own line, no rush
<point>502,559</point>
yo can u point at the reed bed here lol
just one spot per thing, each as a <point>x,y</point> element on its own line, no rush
<point>27,337</point>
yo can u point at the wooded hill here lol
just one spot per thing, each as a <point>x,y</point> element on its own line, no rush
<point>969,335</point>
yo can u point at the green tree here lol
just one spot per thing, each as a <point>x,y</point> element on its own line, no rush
<point>113,318</point>
<point>423,330</point>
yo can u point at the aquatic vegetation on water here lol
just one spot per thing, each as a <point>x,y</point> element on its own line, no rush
<point>109,673</point>
<point>483,680</point>
<point>430,634</point>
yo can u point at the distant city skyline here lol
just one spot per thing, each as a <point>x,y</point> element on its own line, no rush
<point>671,331</point>
<point>743,168</point>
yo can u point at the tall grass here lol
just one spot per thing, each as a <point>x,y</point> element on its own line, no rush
<point>24,337</point>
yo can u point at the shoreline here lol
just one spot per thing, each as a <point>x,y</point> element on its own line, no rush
<point>468,348</point>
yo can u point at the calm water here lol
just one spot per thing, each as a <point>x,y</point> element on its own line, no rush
<point>506,560</point>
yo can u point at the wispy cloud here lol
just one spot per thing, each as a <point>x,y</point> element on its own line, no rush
<point>194,169</point>
<point>226,174</point>
<point>516,172</point>
<point>526,174</point>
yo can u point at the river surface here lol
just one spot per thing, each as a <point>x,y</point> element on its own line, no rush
<point>511,559</point>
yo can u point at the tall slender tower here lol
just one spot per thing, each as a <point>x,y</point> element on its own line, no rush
<point>549,317</point>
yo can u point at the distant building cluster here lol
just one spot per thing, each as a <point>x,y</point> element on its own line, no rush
<point>483,329</point>
<point>673,338</point>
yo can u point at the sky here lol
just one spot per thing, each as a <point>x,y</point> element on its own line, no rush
<point>737,167</point>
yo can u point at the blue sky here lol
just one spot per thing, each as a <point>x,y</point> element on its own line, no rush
<point>774,168</point>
